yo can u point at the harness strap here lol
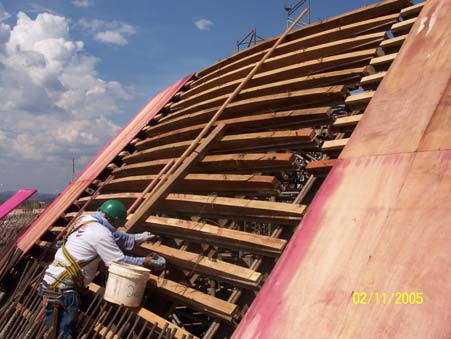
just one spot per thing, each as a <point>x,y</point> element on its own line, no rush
<point>72,270</point>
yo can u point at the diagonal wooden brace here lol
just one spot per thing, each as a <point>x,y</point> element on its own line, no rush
<point>145,209</point>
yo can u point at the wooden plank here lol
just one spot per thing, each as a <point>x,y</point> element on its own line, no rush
<point>344,122</point>
<point>197,154</point>
<point>229,143</point>
<point>412,11</point>
<point>336,62</point>
<point>372,80</point>
<point>402,27</point>
<point>320,167</point>
<point>345,76</point>
<point>283,57</point>
<point>392,44</point>
<point>321,96</point>
<point>222,237</point>
<point>363,20</point>
<point>383,60</point>
<point>220,206</point>
<point>334,145</point>
<point>237,163</point>
<point>195,299</point>
<point>309,114</point>
<point>292,118</point>
<point>149,316</point>
<point>200,182</point>
<point>359,99</point>
<point>196,262</point>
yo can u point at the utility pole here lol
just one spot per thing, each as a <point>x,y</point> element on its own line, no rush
<point>73,169</point>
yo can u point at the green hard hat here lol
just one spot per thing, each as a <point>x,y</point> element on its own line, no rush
<point>115,210</point>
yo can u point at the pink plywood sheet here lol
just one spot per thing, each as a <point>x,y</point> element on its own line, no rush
<point>423,62</point>
<point>97,165</point>
<point>19,197</point>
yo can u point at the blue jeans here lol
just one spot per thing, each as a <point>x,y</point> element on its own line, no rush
<point>67,315</point>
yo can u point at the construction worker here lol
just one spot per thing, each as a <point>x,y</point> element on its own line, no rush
<point>91,239</point>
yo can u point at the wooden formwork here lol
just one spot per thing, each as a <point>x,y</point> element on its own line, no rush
<point>230,212</point>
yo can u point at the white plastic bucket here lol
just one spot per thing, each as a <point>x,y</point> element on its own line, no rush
<point>126,284</point>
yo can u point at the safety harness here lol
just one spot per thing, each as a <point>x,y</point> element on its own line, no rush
<point>72,270</point>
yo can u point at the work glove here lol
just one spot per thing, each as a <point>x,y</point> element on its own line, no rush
<point>155,262</point>
<point>145,236</point>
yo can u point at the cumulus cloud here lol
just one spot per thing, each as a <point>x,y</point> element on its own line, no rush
<point>83,3</point>
<point>114,32</point>
<point>203,24</point>
<point>53,104</point>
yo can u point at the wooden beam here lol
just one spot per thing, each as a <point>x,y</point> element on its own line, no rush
<point>347,121</point>
<point>198,153</point>
<point>372,80</point>
<point>341,31</point>
<point>322,79</point>
<point>282,59</point>
<point>334,145</point>
<point>292,118</point>
<point>402,27</point>
<point>150,316</point>
<point>196,262</point>
<point>200,182</point>
<point>231,143</point>
<point>238,208</point>
<point>214,205</point>
<point>359,99</point>
<point>384,60</point>
<point>236,163</point>
<point>321,96</point>
<point>218,236</point>
<point>392,44</point>
<point>412,11</point>
<point>195,299</point>
<point>320,167</point>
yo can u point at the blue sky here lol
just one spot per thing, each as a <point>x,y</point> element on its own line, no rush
<point>73,72</point>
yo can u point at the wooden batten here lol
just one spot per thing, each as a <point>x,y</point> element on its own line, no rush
<point>195,262</point>
<point>383,61</point>
<point>321,32</point>
<point>334,145</point>
<point>214,205</point>
<point>359,99</point>
<point>321,96</point>
<point>292,118</point>
<point>371,81</point>
<point>320,167</point>
<point>412,11</point>
<point>392,45</point>
<point>336,62</point>
<point>237,163</point>
<point>277,212</point>
<point>348,121</point>
<point>284,57</point>
<point>230,143</point>
<point>210,234</point>
<point>402,27</point>
<point>195,299</point>
<point>199,182</point>
<point>345,76</point>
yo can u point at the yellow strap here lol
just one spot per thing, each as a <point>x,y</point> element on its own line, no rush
<point>72,270</point>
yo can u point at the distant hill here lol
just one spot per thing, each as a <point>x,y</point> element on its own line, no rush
<point>36,197</point>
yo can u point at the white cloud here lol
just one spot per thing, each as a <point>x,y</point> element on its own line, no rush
<point>114,32</point>
<point>53,105</point>
<point>83,3</point>
<point>203,24</point>
<point>3,13</point>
